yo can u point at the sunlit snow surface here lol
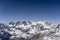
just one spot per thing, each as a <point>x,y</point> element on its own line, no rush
<point>30,30</point>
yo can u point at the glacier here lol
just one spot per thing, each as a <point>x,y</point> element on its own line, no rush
<point>29,30</point>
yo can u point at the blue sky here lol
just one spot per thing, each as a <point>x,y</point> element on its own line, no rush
<point>34,10</point>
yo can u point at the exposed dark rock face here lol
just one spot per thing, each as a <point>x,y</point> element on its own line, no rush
<point>58,26</point>
<point>11,23</point>
<point>18,22</point>
<point>2,25</point>
<point>48,24</point>
<point>5,36</point>
<point>24,22</point>
<point>29,22</point>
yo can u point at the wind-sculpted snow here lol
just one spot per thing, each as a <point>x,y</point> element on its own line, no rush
<point>28,30</point>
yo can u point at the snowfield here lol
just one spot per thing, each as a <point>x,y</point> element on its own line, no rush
<point>28,30</point>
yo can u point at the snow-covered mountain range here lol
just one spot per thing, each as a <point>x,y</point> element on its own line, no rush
<point>29,30</point>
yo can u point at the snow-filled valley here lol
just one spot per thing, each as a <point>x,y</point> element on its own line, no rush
<point>29,30</point>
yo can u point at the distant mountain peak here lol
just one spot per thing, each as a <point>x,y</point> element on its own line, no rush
<point>24,30</point>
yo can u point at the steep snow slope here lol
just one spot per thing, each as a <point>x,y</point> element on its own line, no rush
<point>28,30</point>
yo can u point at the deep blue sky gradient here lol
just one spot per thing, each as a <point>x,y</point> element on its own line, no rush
<point>34,10</point>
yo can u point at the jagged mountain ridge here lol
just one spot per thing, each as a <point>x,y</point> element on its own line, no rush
<point>28,30</point>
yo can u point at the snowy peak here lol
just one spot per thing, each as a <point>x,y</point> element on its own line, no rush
<point>29,30</point>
